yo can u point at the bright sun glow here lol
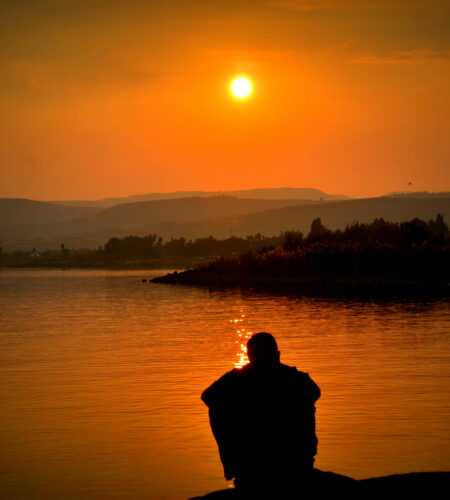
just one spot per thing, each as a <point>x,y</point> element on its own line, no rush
<point>241,87</point>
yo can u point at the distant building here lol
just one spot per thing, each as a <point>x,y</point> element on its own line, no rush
<point>34,253</point>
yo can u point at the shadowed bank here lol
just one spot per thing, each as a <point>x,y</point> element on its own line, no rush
<point>419,484</point>
<point>378,259</point>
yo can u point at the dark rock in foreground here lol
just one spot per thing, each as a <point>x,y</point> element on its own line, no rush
<point>419,484</point>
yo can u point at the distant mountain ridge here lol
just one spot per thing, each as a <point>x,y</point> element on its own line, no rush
<point>19,211</point>
<point>281,193</point>
<point>338,214</point>
<point>420,194</point>
<point>25,224</point>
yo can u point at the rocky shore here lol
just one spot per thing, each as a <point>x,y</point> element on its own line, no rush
<point>418,484</point>
<point>309,284</point>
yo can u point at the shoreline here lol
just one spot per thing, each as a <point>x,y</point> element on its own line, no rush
<point>162,267</point>
<point>410,484</point>
<point>131,264</point>
<point>313,284</point>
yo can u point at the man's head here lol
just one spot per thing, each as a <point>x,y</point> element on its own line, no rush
<point>262,350</point>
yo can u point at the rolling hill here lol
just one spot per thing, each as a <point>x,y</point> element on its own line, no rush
<point>334,215</point>
<point>219,216</point>
<point>282,193</point>
<point>25,224</point>
<point>19,211</point>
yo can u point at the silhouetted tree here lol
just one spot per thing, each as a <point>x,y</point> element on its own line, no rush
<point>135,246</point>
<point>292,241</point>
<point>318,230</point>
<point>415,231</point>
<point>175,247</point>
<point>439,229</point>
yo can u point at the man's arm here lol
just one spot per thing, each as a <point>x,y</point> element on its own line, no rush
<point>311,392</point>
<point>216,397</point>
<point>219,427</point>
<point>312,389</point>
<point>219,389</point>
<point>309,388</point>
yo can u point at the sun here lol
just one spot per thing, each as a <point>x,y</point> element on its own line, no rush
<point>241,87</point>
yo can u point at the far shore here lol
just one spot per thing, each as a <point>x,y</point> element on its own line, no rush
<point>310,284</point>
<point>119,264</point>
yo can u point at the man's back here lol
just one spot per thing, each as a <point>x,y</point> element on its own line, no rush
<point>263,418</point>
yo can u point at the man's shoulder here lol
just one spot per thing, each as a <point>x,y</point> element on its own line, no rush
<point>293,371</point>
<point>221,386</point>
<point>302,379</point>
<point>230,376</point>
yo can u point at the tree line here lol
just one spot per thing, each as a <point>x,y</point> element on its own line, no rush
<point>153,246</point>
<point>373,240</point>
<point>408,249</point>
<point>379,232</point>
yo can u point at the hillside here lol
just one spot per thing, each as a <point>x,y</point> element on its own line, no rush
<point>198,217</point>
<point>89,227</point>
<point>137,215</point>
<point>283,193</point>
<point>334,214</point>
<point>17,211</point>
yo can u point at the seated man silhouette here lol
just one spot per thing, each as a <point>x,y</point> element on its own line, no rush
<point>263,419</point>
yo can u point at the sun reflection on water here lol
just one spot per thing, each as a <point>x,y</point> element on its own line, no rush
<point>242,335</point>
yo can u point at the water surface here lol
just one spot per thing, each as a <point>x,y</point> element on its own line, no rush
<point>101,376</point>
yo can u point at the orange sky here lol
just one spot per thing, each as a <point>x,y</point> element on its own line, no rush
<point>110,98</point>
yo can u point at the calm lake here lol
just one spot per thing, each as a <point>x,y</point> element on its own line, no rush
<point>101,376</point>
